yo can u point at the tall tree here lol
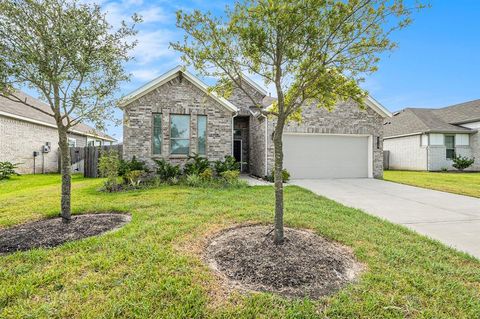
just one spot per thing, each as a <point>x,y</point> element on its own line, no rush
<point>68,52</point>
<point>311,51</point>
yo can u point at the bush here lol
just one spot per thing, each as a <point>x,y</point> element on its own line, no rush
<point>132,165</point>
<point>7,169</point>
<point>196,165</point>
<point>229,164</point>
<point>194,180</point>
<point>285,176</point>
<point>166,171</point>
<point>108,166</point>
<point>134,177</point>
<point>207,174</point>
<point>462,162</point>
<point>230,176</point>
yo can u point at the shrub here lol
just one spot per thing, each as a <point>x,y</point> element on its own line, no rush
<point>196,165</point>
<point>108,166</point>
<point>207,174</point>
<point>230,176</point>
<point>229,164</point>
<point>167,171</point>
<point>134,177</point>
<point>462,162</point>
<point>285,176</point>
<point>7,169</point>
<point>194,180</point>
<point>132,165</point>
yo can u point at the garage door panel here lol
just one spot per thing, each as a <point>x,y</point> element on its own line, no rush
<point>326,156</point>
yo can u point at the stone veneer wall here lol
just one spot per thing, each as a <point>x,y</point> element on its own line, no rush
<point>242,101</point>
<point>346,118</point>
<point>178,96</point>
<point>257,145</point>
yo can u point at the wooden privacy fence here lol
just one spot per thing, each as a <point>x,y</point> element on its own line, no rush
<point>85,159</point>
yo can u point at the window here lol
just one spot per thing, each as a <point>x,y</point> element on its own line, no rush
<point>450,146</point>
<point>72,142</point>
<point>157,134</point>
<point>180,134</point>
<point>202,134</point>
<point>94,142</point>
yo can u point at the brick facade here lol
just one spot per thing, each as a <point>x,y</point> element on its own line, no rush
<point>180,96</point>
<point>19,139</point>
<point>177,96</point>
<point>346,118</point>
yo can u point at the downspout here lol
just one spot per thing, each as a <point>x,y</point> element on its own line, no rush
<point>266,145</point>
<point>233,133</point>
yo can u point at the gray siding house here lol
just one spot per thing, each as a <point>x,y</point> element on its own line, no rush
<point>176,115</point>
<point>428,139</point>
<point>24,130</point>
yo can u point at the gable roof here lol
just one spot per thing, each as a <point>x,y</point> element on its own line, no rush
<point>25,113</point>
<point>254,85</point>
<point>461,113</point>
<point>164,78</point>
<point>411,121</point>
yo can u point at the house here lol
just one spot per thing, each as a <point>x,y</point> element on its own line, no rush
<point>176,115</point>
<point>428,139</point>
<point>30,138</point>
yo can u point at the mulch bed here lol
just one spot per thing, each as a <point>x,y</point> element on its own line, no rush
<point>305,265</point>
<point>53,232</point>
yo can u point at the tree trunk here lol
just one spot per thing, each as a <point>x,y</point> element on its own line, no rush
<point>278,143</point>
<point>65,171</point>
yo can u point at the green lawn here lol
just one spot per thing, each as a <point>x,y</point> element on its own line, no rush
<point>150,268</point>
<point>458,183</point>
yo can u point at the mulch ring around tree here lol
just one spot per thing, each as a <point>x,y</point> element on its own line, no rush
<point>305,265</point>
<point>53,232</point>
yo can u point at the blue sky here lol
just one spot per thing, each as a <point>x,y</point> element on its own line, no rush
<point>437,63</point>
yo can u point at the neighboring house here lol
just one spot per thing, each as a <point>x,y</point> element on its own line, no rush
<point>25,131</point>
<point>428,139</point>
<point>176,115</point>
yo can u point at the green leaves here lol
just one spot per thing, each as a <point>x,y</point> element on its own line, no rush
<point>68,52</point>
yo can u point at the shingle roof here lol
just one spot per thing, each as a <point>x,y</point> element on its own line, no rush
<point>21,110</point>
<point>444,120</point>
<point>461,113</point>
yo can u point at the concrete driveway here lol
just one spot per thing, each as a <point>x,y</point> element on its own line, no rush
<point>449,218</point>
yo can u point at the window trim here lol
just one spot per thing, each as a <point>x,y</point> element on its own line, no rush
<point>74,142</point>
<point>189,135</point>
<point>161,134</point>
<point>206,134</point>
<point>447,149</point>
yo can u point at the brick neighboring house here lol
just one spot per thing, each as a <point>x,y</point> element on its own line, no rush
<point>176,115</point>
<point>24,130</point>
<point>428,139</point>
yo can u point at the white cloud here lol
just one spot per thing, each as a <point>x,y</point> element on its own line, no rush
<point>153,45</point>
<point>145,75</point>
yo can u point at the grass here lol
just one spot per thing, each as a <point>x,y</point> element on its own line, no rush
<point>457,183</point>
<point>149,268</point>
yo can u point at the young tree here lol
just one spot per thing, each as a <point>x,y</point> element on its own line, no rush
<point>312,51</point>
<point>68,52</point>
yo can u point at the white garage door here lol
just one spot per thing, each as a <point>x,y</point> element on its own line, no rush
<point>325,156</point>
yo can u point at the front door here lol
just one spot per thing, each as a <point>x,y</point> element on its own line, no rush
<point>237,151</point>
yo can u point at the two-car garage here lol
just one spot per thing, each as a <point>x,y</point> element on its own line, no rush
<point>316,156</point>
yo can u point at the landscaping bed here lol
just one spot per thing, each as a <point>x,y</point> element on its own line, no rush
<point>305,265</point>
<point>53,231</point>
